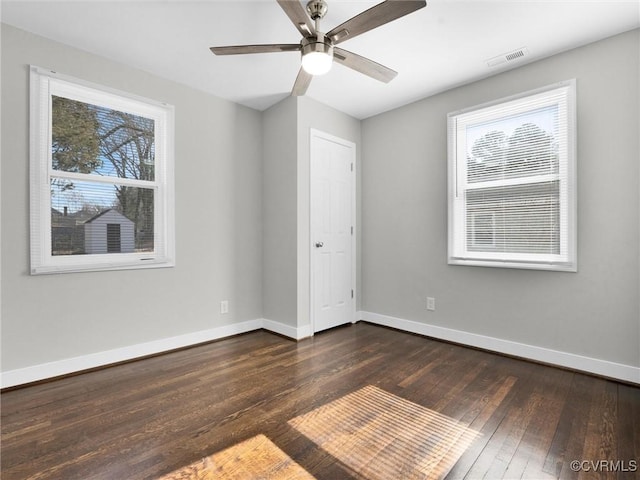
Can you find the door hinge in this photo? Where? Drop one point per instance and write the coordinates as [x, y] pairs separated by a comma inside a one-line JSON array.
[[352, 293], [352, 167], [352, 230]]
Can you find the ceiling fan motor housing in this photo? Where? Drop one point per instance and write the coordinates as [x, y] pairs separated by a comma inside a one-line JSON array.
[[317, 43]]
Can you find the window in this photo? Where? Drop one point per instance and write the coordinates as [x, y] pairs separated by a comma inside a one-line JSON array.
[[101, 178], [512, 182]]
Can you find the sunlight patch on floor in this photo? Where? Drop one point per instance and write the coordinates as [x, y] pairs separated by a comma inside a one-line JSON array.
[[255, 458], [378, 436]]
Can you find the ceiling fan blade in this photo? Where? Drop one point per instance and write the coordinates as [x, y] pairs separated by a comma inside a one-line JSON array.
[[243, 49], [297, 14], [363, 65], [302, 83], [376, 16]]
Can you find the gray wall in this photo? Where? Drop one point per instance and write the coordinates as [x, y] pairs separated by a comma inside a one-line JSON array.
[[279, 212], [594, 312], [242, 217], [286, 128], [218, 166]]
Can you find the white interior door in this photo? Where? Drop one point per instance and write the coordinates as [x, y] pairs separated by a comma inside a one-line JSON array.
[[332, 262]]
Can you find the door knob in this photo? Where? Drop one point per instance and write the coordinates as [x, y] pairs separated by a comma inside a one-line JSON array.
[[319, 244]]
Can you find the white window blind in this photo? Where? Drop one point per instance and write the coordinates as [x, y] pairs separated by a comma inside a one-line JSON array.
[[512, 185], [101, 178]]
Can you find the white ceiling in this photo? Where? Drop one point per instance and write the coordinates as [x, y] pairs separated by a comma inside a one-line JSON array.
[[436, 48]]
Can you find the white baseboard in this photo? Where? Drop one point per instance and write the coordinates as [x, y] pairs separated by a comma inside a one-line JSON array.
[[21, 376], [297, 333], [67, 366], [605, 368]]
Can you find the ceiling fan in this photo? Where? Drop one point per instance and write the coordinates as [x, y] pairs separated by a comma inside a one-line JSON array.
[[319, 49]]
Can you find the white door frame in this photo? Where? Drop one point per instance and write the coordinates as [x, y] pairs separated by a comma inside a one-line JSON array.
[[312, 263]]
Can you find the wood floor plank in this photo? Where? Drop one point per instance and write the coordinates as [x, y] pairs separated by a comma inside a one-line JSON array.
[[570, 435], [507, 432], [528, 461], [148, 418], [483, 418], [601, 436], [629, 428]]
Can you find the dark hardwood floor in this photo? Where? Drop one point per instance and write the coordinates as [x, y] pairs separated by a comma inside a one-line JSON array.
[[145, 419]]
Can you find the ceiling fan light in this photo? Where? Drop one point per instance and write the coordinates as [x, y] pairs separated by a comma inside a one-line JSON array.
[[317, 54], [317, 63]]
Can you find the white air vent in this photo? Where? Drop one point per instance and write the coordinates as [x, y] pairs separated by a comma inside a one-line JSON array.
[[508, 57]]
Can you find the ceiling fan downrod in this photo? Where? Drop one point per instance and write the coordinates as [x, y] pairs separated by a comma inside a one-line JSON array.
[[317, 50]]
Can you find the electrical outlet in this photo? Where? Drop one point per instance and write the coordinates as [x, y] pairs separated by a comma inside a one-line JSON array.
[[224, 306], [431, 303]]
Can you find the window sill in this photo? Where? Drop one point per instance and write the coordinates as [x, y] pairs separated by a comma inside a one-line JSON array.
[[547, 266], [101, 267]]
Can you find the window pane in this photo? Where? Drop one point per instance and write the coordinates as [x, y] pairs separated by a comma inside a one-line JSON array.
[[87, 138], [516, 219], [520, 145], [483, 229], [95, 218]]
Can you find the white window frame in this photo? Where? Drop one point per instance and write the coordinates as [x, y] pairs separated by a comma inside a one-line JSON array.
[[45, 83], [561, 94]]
